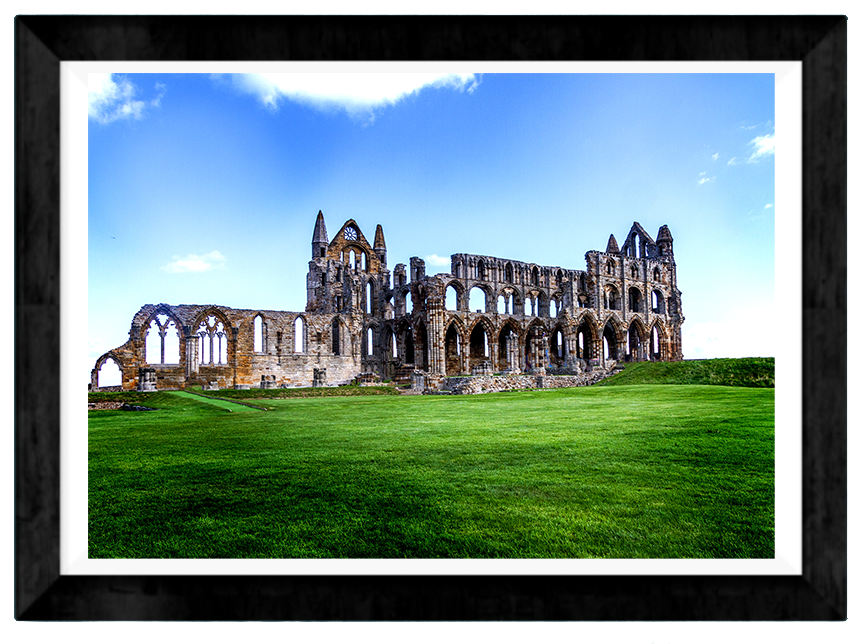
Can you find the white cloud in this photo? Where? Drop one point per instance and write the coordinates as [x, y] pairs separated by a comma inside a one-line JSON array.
[[195, 263], [701, 174], [436, 260], [715, 156], [357, 94], [732, 161], [111, 97], [762, 146], [704, 180], [769, 205]]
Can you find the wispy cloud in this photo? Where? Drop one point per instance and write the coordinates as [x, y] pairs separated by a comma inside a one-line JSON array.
[[701, 174], [715, 156], [732, 161], [195, 263], [704, 180], [357, 94], [768, 205], [436, 260], [111, 97], [762, 146]]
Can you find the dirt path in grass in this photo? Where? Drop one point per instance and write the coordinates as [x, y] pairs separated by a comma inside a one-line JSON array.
[[230, 406]]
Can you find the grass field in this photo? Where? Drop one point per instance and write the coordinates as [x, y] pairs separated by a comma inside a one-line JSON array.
[[639, 471]]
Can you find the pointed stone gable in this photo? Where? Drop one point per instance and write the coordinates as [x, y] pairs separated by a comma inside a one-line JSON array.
[[612, 246], [379, 238], [664, 234], [320, 235]]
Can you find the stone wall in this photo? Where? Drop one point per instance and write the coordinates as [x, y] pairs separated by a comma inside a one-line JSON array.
[[493, 384]]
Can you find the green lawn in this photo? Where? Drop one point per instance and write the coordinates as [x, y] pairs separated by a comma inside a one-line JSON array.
[[632, 471]]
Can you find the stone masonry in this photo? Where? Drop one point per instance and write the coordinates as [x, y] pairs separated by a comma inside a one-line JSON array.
[[361, 320]]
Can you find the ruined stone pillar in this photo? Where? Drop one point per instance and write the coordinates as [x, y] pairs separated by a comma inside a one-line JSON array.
[[191, 344], [436, 335]]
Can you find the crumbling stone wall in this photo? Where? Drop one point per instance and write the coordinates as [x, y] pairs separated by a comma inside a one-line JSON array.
[[536, 319]]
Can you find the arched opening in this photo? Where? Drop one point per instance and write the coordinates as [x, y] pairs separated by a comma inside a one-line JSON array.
[[655, 346], [213, 342], [557, 351], [583, 301], [657, 302], [453, 350], [612, 298], [633, 340], [422, 341], [335, 336], [392, 339], [507, 345], [409, 348], [535, 276], [368, 300], [478, 299], [656, 274], [352, 260], [481, 273], [502, 306], [369, 342], [535, 348], [529, 306], [363, 260], [258, 334], [163, 341], [109, 374], [609, 267], [635, 300], [451, 298], [583, 337], [510, 276], [609, 341], [552, 308], [300, 335], [479, 349]]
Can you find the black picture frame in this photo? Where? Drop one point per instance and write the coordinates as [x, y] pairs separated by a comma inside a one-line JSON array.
[[42, 42]]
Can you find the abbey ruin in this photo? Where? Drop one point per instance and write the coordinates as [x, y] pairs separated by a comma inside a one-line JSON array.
[[362, 323]]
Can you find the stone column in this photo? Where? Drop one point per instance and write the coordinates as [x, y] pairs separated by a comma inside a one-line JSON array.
[[192, 355]]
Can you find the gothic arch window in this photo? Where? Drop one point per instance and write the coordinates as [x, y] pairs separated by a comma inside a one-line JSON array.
[[609, 267], [300, 335], [368, 300], [479, 343], [213, 342], [258, 334], [656, 274], [480, 267], [478, 299], [552, 308], [509, 274], [535, 277], [635, 300], [658, 302], [109, 374], [369, 341], [633, 270], [163, 341], [612, 299], [335, 337], [452, 298]]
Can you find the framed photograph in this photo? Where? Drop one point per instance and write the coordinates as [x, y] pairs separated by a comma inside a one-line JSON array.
[[379, 591]]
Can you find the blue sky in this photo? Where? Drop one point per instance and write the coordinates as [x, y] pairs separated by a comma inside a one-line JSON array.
[[203, 189]]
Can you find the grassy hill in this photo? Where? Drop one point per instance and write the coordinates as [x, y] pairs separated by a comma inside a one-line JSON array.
[[734, 372], [617, 472]]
